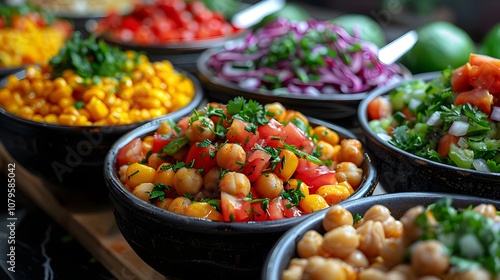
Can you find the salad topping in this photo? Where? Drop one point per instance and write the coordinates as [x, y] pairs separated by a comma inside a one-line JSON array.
[[304, 57], [453, 119]]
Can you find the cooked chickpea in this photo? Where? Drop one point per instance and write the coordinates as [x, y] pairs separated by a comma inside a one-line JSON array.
[[187, 181], [309, 244], [325, 149], [235, 183], [143, 191], [321, 268], [341, 241], [410, 228], [487, 210], [393, 251], [211, 179], [231, 156], [179, 205], [372, 274], [269, 185], [351, 150], [357, 260], [201, 129], [348, 171], [371, 238], [335, 217], [429, 257]]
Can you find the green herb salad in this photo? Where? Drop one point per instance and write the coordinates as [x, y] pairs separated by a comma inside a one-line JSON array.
[[452, 119]]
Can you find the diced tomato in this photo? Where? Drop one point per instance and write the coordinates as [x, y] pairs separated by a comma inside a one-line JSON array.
[[445, 143], [159, 141], [290, 211], [273, 128], [487, 77], [379, 108], [130, 153], [479, 59], [292, 135], [235, 209], [131, 23], [276, 209], [257, 162], [203, 157], [238, 133], [316, 177], [304, 165], [479, 97], [259, 214], [460, 79]]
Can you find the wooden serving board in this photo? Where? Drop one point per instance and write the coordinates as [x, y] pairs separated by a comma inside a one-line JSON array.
[[93, 225]]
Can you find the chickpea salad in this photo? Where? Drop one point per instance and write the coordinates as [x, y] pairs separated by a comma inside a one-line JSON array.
[[242, 162], [428, 242], [450, 119]]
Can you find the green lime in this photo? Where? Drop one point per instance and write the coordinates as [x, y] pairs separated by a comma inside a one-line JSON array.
[[490, 45], [290, 11], [440, 45], [369, 29]]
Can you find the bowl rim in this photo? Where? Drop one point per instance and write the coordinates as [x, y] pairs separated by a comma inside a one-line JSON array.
[[363, 122], [126, 199], [220, 84], [197, 99], [290, 238]]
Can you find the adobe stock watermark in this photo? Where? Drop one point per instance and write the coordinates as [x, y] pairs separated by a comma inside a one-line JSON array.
[[385, 16], [76, 154], [11, 217]]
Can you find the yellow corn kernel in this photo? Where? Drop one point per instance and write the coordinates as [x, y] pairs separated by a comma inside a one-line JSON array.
[[66, 102], [287, 165], [313, 203], [336, 150], [334, 193], [66, 119], [24, 86], [139, 173], [155, 112], [125, 82], [147, 143], [145, 115], [83, 112], [148, 102], [5, 95], [163, 66], [179, 205], [294, 183], [97, 109], [60, 82], [326, 149], [291, 115], [32, 72], [44, 110], [60, 92], [93, 91], [109, 99], [327, 135], [70, 110], [82, 121], [25, 112], [38, 118], [12, 82], [18, 99], [277, 109], [51, 118], [38, 87], [11, 107]]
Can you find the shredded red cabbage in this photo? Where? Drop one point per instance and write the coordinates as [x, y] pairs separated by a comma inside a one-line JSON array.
[[308, 57]]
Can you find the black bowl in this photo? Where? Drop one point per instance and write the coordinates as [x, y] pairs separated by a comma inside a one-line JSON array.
[[330, 106], [182, 54], [285, 249], [188, 248], [402, 171], [68, 156]]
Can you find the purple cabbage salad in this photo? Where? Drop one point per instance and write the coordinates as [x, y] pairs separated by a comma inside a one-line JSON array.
[[303, 57]]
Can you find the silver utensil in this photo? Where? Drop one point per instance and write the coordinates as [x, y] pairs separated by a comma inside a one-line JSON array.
[[252, 15], [391, 52]]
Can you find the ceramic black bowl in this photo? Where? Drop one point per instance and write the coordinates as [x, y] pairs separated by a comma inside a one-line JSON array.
[[330, 106], [190, 248], [285, 249], [69, 156], [402, 171]]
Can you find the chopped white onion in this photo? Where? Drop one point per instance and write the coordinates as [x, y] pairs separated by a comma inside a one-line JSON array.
[[384, 136], [462, 143], [414, 103], [435, 119], [480, 165], [495, 114], [459, 128]]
